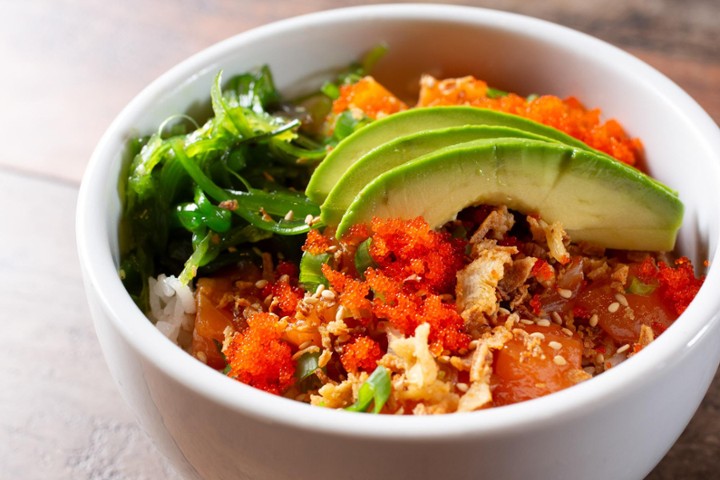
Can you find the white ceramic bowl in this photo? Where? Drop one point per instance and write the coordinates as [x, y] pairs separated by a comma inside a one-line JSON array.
[[618, 425]]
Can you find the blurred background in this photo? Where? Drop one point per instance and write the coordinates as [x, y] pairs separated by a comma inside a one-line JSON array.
[[67, 67]]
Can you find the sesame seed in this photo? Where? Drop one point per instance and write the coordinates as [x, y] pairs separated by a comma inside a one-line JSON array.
[[621, 299], [525, 321], [308, 219], [289, 215], [564, 292], [463, 387], [537, 335], [567, 332], [594, 320], [340, 313], [555, 345], [260, 284], [328, 295], [311, 300], [559, 360], [285, 278], [265, 215], [600, 358], [319, 289], [613, 307], [623, 349], [556, 318], [543, 322]]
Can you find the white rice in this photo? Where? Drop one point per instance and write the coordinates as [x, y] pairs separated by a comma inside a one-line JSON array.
[[172, 308]]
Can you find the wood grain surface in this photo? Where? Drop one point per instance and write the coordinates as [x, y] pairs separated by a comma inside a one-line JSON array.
[[67, 67]]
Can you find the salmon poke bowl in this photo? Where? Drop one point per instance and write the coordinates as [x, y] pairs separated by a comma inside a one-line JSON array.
[[407, 241]]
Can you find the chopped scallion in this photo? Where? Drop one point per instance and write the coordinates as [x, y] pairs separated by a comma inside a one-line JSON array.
[[311, 275], [376, 390]]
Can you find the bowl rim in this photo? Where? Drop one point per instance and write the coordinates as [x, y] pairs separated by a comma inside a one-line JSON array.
[[100, 274]]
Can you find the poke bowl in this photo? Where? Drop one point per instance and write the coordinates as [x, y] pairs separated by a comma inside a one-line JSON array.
[[617, 424]]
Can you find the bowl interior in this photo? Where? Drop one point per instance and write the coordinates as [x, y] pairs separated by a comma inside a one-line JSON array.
[[510, 52]]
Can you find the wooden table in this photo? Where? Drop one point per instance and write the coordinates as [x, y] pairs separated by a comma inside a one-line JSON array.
[[66, 69]]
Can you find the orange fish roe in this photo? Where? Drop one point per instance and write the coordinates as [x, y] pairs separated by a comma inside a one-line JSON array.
[[678, 285], [647, 271], [284, 292], [368, 96], [316, 243], [361, 354], [414, 266], [285, 297], [410, 251], [405, 311], [568, 115], [353, 293], [258, 357]]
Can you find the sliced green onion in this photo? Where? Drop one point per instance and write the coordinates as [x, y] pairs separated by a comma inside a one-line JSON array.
[[346, 124], [375, 390], [363, 259], [307, 364], [331, 90], [311, 276], [495, 93], [638, 287]]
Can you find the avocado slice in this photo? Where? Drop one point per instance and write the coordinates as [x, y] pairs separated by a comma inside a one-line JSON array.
[[597, 200], [350, 149], [402, 150]]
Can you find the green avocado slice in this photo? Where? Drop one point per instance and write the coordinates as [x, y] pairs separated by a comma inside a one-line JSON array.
[[597, 200], [402, 150], [411, 121]]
